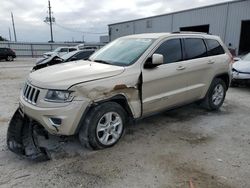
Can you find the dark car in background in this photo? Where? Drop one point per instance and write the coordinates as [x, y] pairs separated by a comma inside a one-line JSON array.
[[72, 56], [7, 54]]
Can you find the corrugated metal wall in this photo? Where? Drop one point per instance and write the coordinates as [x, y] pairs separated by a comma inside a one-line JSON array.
[[223, 19], [238, 12], [215, 17], [151, 25]]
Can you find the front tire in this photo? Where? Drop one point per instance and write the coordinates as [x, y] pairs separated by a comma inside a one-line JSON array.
[[216, 95], [103, 126]]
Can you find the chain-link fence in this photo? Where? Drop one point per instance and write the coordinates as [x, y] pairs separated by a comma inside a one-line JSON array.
[[25, 49]]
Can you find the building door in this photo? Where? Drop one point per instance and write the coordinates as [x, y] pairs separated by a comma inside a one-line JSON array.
[[198, 28], [245, 37]]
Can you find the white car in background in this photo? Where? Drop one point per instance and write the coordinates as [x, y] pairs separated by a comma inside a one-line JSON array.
[[84, 47], [241, 71], [60, 51]]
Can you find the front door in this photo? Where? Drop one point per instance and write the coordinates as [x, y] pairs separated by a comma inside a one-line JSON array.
[[165, 86]]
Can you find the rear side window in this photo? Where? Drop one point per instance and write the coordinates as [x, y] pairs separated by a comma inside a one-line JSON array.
[[72, 49], [195, 48], [171, 50], [214, 47]]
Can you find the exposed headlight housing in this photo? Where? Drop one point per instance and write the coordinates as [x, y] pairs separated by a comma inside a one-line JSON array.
[[59, 96]]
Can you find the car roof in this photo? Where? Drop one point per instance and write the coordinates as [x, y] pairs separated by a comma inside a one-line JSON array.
[[164, 35]]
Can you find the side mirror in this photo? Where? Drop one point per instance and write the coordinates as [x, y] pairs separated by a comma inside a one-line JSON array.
[[157, 59], [154, 61]]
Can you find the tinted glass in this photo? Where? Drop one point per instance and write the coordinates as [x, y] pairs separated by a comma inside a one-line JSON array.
[[84, 55], [72, 49], [64, 50], [171, 51], [214, 47], [195, 48]]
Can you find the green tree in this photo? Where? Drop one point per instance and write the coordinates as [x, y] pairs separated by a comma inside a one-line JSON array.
[[2, 39]]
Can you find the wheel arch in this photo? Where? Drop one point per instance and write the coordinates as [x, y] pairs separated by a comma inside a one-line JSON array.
[[119, 99], [225, 77]]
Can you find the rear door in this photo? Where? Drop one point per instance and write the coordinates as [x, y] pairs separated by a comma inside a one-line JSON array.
[[198, 67], [166, 85]]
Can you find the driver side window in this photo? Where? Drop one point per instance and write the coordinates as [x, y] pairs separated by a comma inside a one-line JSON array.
[[171, 51]]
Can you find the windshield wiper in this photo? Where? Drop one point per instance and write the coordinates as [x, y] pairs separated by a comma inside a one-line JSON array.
[[101, 61]]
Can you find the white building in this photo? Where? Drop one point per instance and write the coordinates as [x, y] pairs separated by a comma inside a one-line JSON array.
[[229, 20]]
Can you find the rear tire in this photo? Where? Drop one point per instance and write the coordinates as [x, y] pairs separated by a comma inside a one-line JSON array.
[[103, 126], [215, 95]]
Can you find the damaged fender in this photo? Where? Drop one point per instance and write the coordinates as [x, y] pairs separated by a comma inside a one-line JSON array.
[[22, 138]]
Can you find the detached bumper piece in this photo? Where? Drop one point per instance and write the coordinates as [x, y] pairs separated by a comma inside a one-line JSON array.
[[22, 138]]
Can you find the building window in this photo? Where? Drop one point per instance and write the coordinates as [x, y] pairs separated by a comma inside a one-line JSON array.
[[149, 24]]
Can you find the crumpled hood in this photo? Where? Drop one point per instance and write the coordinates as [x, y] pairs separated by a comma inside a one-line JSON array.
[[242, 66], [62, 76]]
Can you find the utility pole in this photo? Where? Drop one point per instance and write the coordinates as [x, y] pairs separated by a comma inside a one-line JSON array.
[[50, 19], [13, 23], [50, 23], [9, 34]]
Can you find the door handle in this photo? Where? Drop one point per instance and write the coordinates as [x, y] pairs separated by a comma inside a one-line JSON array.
[[211, 62], [181, 68]]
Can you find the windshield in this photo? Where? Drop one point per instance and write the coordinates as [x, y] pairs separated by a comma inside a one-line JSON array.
[[122, 52], [246, 57], [68, 55], [57, 50]]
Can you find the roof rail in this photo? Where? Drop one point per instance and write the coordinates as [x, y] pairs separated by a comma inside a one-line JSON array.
[[190, 32]]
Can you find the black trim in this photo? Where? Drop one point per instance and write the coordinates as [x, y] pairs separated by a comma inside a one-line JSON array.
[[82, 119]]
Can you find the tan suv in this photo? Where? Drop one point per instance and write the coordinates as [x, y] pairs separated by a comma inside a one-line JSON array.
[[131, 77]]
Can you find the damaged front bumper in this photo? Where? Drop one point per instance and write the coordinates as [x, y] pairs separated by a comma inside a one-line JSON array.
[[22, 137]]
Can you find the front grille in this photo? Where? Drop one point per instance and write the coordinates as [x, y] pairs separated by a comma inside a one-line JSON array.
[[30, 93]]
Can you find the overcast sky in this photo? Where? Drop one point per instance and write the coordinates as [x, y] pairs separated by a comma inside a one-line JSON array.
[[91, 16]]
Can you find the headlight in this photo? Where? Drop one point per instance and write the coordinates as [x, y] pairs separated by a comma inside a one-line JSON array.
[[59, 96]]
